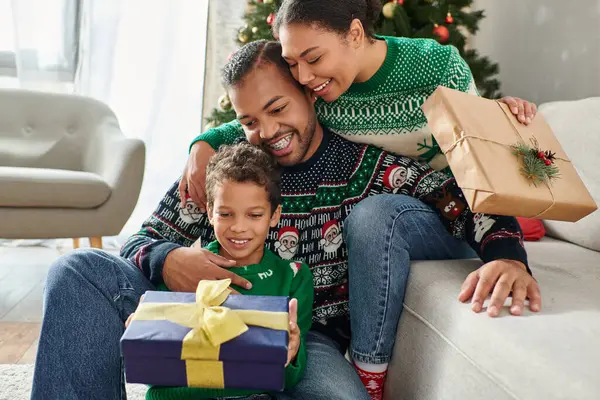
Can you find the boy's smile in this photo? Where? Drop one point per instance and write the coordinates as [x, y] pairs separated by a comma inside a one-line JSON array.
[[241, 215]]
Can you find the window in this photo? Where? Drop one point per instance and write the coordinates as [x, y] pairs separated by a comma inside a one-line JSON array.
[[40, 36]]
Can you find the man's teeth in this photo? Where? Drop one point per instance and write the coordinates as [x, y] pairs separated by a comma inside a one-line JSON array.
[[319, 88], [281, 144], [239, 241]]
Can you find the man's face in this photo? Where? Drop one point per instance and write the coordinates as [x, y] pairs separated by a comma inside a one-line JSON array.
[[277, 115]]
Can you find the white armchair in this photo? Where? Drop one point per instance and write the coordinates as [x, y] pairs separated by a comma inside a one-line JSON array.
[[66, 169]]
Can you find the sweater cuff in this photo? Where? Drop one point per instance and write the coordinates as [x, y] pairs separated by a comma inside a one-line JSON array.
[[156, 259], [211, 137], [507, 249]]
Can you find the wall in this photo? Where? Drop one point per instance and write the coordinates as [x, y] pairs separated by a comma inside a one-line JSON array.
[[225, 18], [546, 49]]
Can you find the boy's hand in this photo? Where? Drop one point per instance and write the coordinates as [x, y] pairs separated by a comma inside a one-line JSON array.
[[185, 267], [503, 276], [294, 343], [194, 174], [522, 109], [131, 315]]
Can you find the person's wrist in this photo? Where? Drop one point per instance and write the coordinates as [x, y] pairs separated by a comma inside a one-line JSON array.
[[517, 263], [171, 261]]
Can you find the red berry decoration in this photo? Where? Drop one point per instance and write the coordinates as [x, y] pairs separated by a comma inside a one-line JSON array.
[[547, 162], [541, 155], [449, 18], [441, 32], [401, 2], [271, 19]]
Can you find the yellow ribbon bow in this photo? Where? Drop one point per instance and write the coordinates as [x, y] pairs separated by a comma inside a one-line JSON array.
[[211, 323]]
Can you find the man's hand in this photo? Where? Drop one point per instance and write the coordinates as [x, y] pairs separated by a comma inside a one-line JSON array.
[[194, 175], [524, 110], [185, 267], [294, 343], [503, 276]]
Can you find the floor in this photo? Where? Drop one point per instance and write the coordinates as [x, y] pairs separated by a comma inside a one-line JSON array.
[[23, 273]]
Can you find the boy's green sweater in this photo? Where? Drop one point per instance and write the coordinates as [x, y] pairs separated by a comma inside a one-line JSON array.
[[385, 111], [271, 277]]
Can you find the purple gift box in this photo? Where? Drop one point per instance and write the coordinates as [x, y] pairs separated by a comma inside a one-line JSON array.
[[254, 360]]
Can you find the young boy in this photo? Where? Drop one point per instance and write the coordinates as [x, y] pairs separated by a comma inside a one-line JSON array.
[[243, 202]]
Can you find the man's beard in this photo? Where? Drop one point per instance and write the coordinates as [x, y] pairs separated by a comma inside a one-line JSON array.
[[304, 141]]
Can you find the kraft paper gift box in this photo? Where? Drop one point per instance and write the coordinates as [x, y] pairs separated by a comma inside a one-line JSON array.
[[160, 347], [478, 136]]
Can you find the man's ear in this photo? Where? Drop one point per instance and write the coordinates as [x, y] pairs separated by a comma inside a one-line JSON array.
[[275, 217]]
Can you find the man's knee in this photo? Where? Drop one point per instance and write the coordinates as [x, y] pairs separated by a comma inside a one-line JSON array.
[[74, 265]]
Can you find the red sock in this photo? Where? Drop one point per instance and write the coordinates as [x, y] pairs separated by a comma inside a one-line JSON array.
[[373, 381]]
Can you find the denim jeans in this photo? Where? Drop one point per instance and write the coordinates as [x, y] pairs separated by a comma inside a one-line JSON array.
[[88, 296], [383, 234]]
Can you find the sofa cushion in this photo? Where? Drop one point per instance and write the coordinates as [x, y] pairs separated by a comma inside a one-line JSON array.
[[444, 350], [56, 188], [576, 125]]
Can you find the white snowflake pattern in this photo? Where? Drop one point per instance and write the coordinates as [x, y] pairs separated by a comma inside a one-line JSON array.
[[322, 276], [327, 312], [429, 184]]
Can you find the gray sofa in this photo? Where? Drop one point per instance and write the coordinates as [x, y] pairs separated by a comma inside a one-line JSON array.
[[445, 351]]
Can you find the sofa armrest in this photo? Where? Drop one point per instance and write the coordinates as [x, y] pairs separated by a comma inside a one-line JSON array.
[[111, 153], [120, 161]]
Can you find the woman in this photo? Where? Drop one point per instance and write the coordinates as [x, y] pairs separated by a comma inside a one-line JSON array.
[[370, 89]]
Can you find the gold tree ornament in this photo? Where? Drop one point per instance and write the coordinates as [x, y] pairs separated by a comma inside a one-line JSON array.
[[389, 9], [225, 102]]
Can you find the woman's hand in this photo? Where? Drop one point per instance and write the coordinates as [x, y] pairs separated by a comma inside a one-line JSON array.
[[523, 110], [503, 276], [294, 343], [194, 175]]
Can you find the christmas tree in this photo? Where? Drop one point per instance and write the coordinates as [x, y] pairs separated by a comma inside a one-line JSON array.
[[447, 21]]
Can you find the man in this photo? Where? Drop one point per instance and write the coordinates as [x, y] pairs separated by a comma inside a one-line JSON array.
[[90, 294]]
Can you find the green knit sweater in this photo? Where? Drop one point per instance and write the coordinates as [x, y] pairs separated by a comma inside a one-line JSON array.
[[271, 277], [385, 111]]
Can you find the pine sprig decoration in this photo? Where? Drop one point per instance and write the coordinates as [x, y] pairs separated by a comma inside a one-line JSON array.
[[537, 166]]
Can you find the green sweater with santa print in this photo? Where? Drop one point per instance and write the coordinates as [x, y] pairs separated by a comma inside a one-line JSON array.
[[385, 111], [273, 276]]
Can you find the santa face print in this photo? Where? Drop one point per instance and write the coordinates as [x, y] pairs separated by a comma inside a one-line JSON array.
[[483, 223], [241, 216], [396, 176], [287, 245], [190, 213], [332, 239], [399, 177], [332, 234]]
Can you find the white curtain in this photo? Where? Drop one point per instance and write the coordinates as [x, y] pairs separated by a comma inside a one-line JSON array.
[[145, 59]]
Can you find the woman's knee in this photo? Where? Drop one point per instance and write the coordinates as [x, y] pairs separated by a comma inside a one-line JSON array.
[[372, 214]]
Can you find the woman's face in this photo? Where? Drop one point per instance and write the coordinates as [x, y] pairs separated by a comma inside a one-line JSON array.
[[324, 61]]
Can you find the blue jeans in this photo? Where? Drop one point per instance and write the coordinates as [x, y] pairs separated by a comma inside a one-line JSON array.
[[88, 296], [383, 234]]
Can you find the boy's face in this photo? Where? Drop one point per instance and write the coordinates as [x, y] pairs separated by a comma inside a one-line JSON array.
[[241, 216]]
